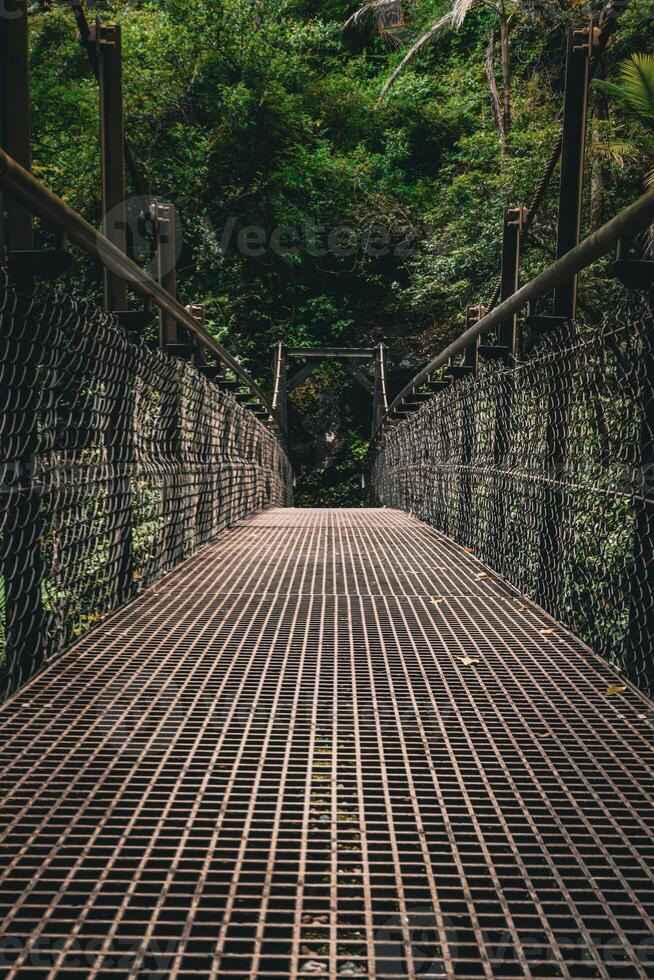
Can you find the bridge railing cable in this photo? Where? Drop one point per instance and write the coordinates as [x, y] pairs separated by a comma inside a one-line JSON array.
[[573, 531], [121, 452], [55, 213], [629, 222], [117, 462], [541, 460], [544, 466]]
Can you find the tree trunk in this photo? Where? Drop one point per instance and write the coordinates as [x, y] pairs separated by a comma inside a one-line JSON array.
[[506, 74], [498, 112]]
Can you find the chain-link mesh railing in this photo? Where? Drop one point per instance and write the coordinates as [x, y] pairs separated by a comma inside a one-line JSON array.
[[117, 462], [546, 471]]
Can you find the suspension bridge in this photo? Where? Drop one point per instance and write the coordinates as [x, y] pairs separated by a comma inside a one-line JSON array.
[[244, 739]]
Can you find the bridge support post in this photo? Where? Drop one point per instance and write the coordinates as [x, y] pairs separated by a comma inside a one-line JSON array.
[[379, 402], [280, 392], [120, 450], [580, 46], [514, 222], [197, 312], [581, 43], [165, 224], [471, 365], [15, 117], [108, 58], [22, 525], [107, 38], [164, 217], [515, 219], [201, 519]]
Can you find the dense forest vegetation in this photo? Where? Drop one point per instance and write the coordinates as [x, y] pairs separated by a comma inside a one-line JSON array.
[[313, 210]]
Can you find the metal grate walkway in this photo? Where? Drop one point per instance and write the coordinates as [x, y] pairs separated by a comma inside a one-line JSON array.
[[329, 744]]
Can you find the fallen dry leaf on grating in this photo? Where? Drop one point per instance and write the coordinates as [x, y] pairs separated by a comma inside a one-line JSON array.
[[482, 575], [615, 689], [522, 608], [547, 631], [469, 550], [466, 661], [437, 602]]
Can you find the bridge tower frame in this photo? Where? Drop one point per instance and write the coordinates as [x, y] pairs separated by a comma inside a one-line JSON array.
[[350, 358]]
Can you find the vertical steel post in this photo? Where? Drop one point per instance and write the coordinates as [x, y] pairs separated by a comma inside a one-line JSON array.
[[471, 362], [379, 409], [15, 114], [206, 485], [107, 38], [379, 402], [575, 111], [283, 392], [22, 525], [577, 75], [280, 393], [165, 223], [120, 451], [514, 222], [164, 220], [197, 311], [471, 354]]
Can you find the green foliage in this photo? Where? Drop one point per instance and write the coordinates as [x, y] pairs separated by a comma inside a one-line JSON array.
[[262, 115], [635, 92], [636, 88]]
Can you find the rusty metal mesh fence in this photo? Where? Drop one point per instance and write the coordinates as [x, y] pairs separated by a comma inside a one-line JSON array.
[[545, 470], [117, 462]]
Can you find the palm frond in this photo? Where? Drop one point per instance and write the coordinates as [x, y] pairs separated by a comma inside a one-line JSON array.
[[460, 10], [635, 87], [373, 9], [618, 151], [638, 79], [649, 180], [446, 21], [392, 38]]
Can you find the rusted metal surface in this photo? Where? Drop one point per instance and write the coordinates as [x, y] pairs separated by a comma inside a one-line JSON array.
[[327, 744]]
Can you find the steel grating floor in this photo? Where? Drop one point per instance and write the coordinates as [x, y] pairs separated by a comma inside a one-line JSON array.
[[329, 744]]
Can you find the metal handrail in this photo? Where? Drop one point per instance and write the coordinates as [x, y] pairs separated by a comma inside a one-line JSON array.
[[627, 223], [43, 203]]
